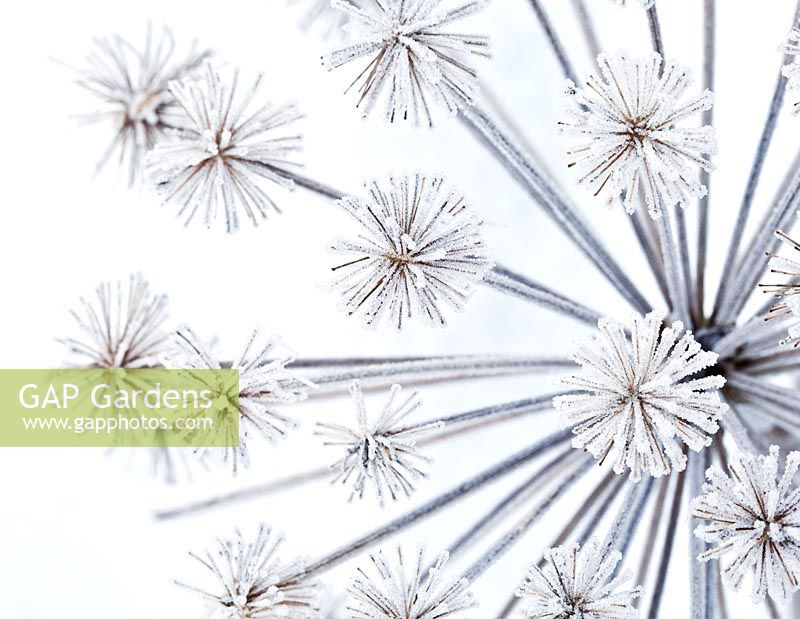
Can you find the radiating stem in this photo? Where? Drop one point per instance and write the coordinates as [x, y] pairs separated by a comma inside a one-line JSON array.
[[755, 261], [276, 485], [641, 228], [505, 543], [652, 535], [519, 286], [587, 26], [702, 600], [788, 398], [666, 551], [511, 500], [398, 524], [655, 32], [709, 60], [752, 182], [683, 261], [308, 183], [334, 376], [507, 410], [555, 42], [545, 193], [675, 284]]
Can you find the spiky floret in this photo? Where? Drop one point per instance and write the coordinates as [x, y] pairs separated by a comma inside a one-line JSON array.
[[577, 583], [419, 249], [131, 86], [253, 583], [227, 147], [788, 293], [414, 56], [753, 515], [640, 399], [264, 383], [627, 141], [397, 590], [381, 452], [121, 328]]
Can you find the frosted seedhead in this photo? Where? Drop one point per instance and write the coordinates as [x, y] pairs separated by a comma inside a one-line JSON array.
[[413, 56], [381, 450], [216, 166], [639, 400], [627, 140], [751, 515], [419, 249]]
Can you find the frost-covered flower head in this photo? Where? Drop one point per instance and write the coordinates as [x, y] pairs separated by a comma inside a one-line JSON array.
[[264, 383], [131, 86], [578, 584], [753, 515], [253, 583], [413, 55], [788, 293], [397, 590], [122, 327], [627, 141], [640, 399], [419, 248], [380, 452], [792, 70], [216, 164]]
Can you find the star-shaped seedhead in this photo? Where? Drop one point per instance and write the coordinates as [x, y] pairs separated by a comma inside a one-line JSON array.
[[252, 582], [122, 327], [419, 249], [131, 86], [640, 400], [787, 293], [397, 590], [575, 583], [229, 145], [380, 452], [628, 144], [752, 515], [264, 384], [413, 56]]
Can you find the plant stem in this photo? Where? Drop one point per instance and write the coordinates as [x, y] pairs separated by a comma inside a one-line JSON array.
[[589, 32], [675, 284], [702, 599], [788, 398], [543, 191], [309, 183], [331, 376], [555, 42], [519, 286], [752, 183], [505, 543], [655, 32], [641, 228], [709, 60], [666, 551], [398, 524]]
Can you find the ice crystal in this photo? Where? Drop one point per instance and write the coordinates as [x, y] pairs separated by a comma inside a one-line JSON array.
[[380, 452], [253, 583], [264, 383], [627, 141], [399, 592], [413, 55], [753, 514], [419, 249], [792, 70], [788, 294], [640, 399], [217, 162], [122, 327], [577, 584], [131, 85]]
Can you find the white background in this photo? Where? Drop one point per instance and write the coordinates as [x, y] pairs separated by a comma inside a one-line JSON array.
[[77, 537]]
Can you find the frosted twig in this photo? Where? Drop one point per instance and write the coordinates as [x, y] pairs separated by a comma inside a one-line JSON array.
[[542, 190], [555, 42], [474, 483], [752, 182], [589, 32], [673, 271], [655, 30], [516, 285]]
